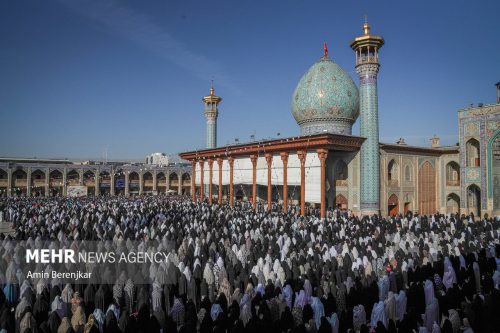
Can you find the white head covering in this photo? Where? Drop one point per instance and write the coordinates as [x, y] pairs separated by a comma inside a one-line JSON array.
[[429, 293], [378, 314], [390, 306], [358, 317], [401, 305], [431, 314], [334, 322], [319, 310], [449, 277], [300, 300]]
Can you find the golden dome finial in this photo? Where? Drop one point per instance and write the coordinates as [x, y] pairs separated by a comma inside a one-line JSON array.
[[366, 26], [211, 97]]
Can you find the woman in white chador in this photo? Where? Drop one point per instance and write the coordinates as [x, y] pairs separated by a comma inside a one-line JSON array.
[[378, 314], [428, 291], [431, 314], [358, 317], [400, 305], [232, 269], [449, 277], [390, 306]]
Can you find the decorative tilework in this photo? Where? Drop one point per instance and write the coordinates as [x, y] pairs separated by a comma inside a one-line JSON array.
[[473, 174], [326, 99], [370, 160], [211, 130], [491, 127], [340, 127], [463, 192], [472, 128], [481, 123], [492, 172], [483, 144]]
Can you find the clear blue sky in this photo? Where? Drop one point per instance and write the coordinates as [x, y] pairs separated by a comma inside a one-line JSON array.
[[79, 77]]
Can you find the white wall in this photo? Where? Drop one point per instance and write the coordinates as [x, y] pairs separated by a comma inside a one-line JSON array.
[[243, 173]]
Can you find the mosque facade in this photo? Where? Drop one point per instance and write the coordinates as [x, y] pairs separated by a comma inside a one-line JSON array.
[[479, 137], [327, 166]]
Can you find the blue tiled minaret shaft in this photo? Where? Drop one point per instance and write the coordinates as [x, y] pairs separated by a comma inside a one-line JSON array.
[[211, 113], [367, 66]]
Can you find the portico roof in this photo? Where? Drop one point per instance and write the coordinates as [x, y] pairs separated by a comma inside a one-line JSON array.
[[290, 144]]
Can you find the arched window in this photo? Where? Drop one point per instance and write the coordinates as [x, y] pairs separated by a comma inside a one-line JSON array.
[[392, 173], [407, 173], [88, 178], [173, 177], [19, 182], [472, 153], [133, 182], [73, 177], [3, 182], [147, 182], [55, 178], [55, 183], [452, 174], [474, 199], [186, 177], [452, 203], [393, 205], [340, 201]]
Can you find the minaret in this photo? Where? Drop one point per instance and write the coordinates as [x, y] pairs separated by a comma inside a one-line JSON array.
[[366, 47], [211, 113]]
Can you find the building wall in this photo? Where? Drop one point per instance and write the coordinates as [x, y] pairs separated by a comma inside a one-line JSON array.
[[348, 188], [49, 179], [408, 186], [482, 124], [157, 159], [243, 176], [404, 189], [404, 184], [448, 188]]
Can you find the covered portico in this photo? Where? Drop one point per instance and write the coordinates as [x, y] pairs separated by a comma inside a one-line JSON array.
[[300, 162]]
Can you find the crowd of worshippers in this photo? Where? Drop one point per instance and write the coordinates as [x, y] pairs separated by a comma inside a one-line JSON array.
[[237, 270]]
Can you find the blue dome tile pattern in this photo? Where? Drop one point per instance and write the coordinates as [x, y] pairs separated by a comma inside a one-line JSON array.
[[326, 99]]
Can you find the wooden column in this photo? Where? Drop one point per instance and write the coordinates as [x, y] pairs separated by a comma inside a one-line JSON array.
[[193, 180], [302, 157], [322, 154], [210, 167], [254, 158], [219, 161], [202, 186], [269, 160], [231, 164], [284, 158]]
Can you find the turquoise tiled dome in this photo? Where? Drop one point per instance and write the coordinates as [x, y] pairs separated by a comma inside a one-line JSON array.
[[325, 100]]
